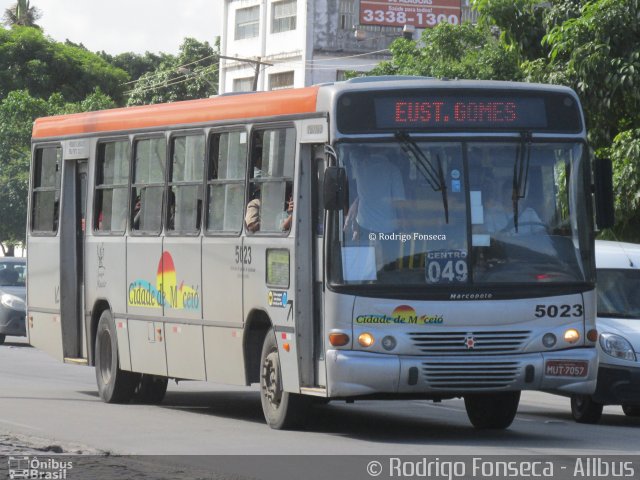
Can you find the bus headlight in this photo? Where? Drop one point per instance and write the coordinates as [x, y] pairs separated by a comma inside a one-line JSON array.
[[617, 346], [572, 335], [13, 302], [366, 340]]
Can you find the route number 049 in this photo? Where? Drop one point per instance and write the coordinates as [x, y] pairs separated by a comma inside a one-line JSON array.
[[447, 271]]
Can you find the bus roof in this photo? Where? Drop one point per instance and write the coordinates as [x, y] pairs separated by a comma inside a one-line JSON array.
[[232, 107]]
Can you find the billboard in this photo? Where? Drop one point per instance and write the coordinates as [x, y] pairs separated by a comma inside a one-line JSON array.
[[419, 13]]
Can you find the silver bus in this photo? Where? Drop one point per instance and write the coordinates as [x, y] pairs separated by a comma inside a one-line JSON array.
[[370, 239]]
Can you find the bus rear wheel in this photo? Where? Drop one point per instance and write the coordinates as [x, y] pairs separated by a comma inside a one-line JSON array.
[[584, 409], [150, 389], [492, 411], [114, 385], [2, 338], [282, 410]]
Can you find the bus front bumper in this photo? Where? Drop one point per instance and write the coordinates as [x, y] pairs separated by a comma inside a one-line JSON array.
[[353, 373]]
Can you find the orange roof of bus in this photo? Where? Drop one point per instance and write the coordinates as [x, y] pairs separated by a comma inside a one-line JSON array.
[[232, 107]]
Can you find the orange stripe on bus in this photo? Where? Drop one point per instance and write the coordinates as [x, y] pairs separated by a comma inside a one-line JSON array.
[[233, 107]]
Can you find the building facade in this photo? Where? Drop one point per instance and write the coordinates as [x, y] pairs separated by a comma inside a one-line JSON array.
[[300, 42]]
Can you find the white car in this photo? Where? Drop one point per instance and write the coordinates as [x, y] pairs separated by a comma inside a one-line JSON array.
[[618, 323]]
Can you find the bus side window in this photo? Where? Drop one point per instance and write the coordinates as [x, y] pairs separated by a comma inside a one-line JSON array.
[[110, 213], [46, 190], [148, 185], [271, 181], [225, 182], [184, 200]]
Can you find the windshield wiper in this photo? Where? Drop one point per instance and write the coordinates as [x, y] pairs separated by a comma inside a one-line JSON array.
[[520, 175], [616, 315], [433, 176]]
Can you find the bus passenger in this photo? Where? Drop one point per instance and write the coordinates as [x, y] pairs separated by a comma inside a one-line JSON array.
[[499, 212], [379, 184], [252, 217]]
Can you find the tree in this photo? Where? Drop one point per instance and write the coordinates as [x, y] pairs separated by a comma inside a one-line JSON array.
[[22, 14], [192, 74], [31, 61], [17, 113], [452, 51]]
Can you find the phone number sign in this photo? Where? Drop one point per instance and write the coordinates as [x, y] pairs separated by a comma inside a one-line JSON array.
[[419, 13]]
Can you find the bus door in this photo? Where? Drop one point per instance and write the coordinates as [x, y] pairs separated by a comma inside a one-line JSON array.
[[222, 256], [146, 262], [309, 258], [268, 250], [73, 209]]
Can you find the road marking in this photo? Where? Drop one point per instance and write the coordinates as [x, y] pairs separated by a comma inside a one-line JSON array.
[[22, 425]]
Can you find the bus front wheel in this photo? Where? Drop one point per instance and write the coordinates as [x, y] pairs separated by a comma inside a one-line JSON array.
[[631, 410], [584, 409], [114, 385], [492, 411], [282, 410]]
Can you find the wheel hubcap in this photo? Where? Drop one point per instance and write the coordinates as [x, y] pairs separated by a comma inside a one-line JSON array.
[[272, 389]]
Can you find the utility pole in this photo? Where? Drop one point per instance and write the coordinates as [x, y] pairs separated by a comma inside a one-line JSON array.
[[257, 64]]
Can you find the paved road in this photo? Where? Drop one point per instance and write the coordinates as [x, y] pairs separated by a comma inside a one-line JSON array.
[[44, 399]]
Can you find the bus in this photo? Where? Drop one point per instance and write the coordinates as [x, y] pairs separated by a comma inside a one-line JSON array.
[[379, 238]]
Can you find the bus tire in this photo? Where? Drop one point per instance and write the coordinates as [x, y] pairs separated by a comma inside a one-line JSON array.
[[282, 410], [492, 411], [2, 338], [151, 389], [631, 410], [584, 409], [114, 385]]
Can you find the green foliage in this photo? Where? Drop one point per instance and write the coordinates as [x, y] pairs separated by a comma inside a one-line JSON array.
[[600, 53], [192, 74], [134, 64], [520, 23], [31, 61], [23, 14], [452, 51], [625, 155]]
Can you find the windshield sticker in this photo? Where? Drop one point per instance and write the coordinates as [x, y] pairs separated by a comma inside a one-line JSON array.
[[403, 314], [166, 292]]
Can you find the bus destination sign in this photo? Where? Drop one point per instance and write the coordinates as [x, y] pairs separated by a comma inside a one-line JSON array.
[[451, 112], [419, 13]]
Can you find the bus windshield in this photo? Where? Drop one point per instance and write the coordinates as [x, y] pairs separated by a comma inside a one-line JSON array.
[[461, 213], [618, 293]]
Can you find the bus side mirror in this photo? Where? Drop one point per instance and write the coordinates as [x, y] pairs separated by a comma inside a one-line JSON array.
[[335, 188], [605, 213]]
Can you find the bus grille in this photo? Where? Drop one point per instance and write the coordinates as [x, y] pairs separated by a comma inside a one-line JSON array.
[[471, 343], [470, 376]]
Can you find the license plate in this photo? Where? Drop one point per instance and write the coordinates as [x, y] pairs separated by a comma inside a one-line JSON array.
[[566, 368]]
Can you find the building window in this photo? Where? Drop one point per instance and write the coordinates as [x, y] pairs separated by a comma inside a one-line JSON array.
[[283, 16], [243, 84], [278, 81], [247, 22], [347, 14]]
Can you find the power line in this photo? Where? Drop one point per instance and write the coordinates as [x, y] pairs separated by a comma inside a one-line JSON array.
[[145, 76], [175, 80]]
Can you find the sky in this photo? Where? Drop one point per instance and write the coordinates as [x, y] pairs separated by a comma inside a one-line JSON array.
[[117, 26]]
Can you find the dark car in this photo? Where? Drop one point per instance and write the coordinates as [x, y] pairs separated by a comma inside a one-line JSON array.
[[13, 276]]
